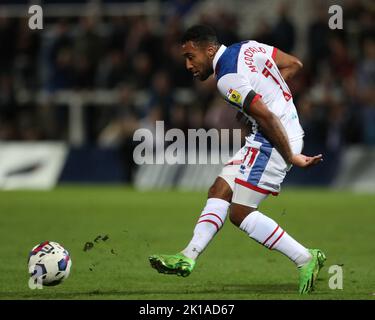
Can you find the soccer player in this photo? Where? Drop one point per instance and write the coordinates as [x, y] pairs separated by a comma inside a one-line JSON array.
[[251, 77]]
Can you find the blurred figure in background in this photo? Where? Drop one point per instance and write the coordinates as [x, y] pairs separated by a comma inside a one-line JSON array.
[[366, 93], [284, 31], [142, 53], [317, 41]]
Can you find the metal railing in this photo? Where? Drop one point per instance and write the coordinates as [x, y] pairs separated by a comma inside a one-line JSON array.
[[76, 101]]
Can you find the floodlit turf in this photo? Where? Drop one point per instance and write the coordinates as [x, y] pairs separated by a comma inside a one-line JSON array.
[[142, 223]]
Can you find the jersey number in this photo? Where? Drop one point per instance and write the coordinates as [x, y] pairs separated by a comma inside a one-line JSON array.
[[280, 82]]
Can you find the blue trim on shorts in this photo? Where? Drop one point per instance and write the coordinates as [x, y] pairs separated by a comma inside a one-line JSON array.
[[261, 162]]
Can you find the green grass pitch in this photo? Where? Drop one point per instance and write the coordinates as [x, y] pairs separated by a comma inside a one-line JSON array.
[[142, 223]]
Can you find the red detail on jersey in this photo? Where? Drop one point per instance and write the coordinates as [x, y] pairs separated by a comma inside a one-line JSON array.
[[267, 73], [255, 188], [274, 51], [282, 233], [274, 231], [269, 64], [255, 99], [212, 222], [212, 214]]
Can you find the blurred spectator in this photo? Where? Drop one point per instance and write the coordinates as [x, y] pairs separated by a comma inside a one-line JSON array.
[[366, 93], [118, 29], [60, 73], [353, 10], [173, 61], [179, 8], [283, 32], [142, 40], [140, 57], [161, 96], [8, 113], [318, 34], [366, 74], [263, 32], [123, 121], [225, 24], [26, 59], [113, 70], [8, 43], [226, 27], [339, 58], [142, 70], [88, 49]]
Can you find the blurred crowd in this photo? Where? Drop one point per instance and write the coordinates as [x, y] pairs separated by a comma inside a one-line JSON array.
[[335, 92]]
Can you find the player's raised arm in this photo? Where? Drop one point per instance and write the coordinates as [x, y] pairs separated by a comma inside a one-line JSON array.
[[275, 132], [288, 65]]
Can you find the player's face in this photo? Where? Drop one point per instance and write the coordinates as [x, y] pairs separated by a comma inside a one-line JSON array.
[[198, 60]]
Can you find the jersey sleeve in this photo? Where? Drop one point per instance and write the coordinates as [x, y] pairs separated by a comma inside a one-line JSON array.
[[236, 90]]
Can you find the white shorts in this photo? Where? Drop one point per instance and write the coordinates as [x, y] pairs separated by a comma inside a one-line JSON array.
[[257, 170]]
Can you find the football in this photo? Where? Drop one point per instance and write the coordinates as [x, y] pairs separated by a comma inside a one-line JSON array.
[[49, 263]]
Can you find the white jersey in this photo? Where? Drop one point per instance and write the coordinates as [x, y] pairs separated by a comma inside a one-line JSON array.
[[249, 67]]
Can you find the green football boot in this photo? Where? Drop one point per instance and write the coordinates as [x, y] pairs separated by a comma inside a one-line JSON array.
[[172, 264], [308, 273]]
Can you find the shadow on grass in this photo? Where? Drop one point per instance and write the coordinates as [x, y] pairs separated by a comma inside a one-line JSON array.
[[225, 290]]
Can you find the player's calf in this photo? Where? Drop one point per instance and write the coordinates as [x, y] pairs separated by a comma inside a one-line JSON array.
[[245, 215], [211, 219], [209, 223], [269, 234], [238, 213]]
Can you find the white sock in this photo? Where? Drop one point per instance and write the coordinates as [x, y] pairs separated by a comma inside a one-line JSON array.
[[209, 223], [267, 232]]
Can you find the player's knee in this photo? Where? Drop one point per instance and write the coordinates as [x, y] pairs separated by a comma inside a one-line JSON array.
[[220, 189], [238, 213]]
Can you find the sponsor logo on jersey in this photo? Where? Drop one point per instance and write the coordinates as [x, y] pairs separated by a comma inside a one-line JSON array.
[[234, 97]]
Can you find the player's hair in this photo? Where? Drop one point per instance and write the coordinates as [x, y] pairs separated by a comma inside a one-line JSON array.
[[201, 35]]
